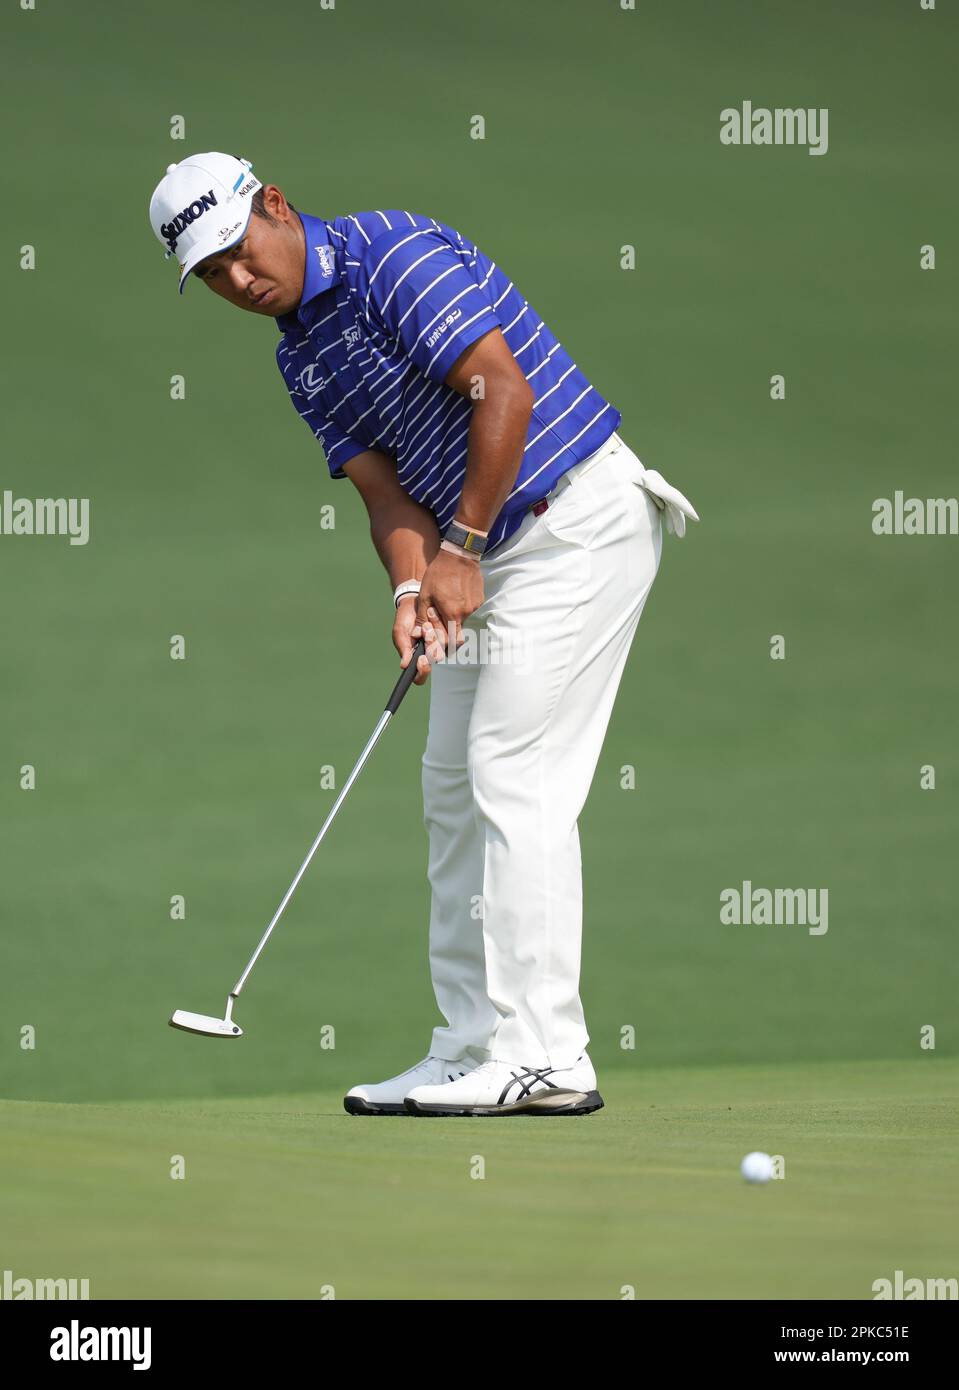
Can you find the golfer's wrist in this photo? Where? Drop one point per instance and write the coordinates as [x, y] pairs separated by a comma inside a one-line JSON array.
[[461, 537], [409, 588], [453, 549]]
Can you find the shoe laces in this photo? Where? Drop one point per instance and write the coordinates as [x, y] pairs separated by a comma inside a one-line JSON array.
[[425, 1065]]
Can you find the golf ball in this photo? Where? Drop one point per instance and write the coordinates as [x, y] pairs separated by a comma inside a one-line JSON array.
[[757, 1167]]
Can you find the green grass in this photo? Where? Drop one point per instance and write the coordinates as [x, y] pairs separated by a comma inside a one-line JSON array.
[[285, 1195], [203, 777]]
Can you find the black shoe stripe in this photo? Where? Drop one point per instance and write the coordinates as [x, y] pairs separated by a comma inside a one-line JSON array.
[[525, 1085]]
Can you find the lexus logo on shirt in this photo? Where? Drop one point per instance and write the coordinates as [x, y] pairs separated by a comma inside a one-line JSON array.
[[313, 380]]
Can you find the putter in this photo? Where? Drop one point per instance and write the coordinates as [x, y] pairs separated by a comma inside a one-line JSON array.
[[206, 1025]]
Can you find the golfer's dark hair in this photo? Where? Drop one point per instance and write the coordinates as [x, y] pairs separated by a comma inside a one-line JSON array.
[[259, 208]]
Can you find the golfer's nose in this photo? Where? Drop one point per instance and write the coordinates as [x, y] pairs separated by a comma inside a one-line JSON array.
[[240, 278]]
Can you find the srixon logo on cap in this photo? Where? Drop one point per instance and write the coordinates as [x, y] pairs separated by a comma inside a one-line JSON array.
[[171, 230]]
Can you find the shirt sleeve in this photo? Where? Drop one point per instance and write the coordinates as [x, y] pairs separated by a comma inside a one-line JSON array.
[[337, 445], [421, 290]]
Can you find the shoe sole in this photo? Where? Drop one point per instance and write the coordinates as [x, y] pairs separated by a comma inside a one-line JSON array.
[[543, 1103], [356, 1105]]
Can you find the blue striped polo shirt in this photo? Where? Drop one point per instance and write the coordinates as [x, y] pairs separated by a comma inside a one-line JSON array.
[[390, 301]]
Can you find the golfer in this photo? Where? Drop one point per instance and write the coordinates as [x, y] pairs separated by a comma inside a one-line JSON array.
[[521, 536]]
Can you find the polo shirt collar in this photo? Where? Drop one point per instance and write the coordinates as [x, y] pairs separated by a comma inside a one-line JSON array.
[[321, 271]]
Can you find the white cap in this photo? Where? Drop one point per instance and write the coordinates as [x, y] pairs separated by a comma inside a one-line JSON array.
[[201, 206]]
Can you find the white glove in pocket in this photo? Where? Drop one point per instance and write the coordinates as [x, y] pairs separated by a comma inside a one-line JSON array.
[[668, 499]]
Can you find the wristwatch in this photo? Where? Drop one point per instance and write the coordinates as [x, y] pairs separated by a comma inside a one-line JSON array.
[[472, 541]]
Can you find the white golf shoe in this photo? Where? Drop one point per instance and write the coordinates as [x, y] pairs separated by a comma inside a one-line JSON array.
[[506, 1088], [387, 1097]]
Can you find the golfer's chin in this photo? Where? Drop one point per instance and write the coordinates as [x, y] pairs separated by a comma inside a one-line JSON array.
[[272, 303], [275, 309]]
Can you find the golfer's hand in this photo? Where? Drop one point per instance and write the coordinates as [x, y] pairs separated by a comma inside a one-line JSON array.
[[404, 637], [450, 591]]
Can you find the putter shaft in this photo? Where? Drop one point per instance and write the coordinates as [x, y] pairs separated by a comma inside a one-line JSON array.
[[399, 690]]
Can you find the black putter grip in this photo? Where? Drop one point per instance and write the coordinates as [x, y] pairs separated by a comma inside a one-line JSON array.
[[406, 679]]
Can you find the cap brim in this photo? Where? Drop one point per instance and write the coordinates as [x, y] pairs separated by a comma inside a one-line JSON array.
[[200, 252]]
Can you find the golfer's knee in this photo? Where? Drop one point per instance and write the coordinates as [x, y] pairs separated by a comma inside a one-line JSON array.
[[446, 789]]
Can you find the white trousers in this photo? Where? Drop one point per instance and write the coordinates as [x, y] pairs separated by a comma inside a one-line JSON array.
[[516, 725]]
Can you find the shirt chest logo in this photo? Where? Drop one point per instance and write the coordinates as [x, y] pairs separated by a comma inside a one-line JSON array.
[[311, 379], [351, 336]]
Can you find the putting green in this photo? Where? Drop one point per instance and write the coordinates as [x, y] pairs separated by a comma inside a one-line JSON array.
[[286, 1196], [174, 799]]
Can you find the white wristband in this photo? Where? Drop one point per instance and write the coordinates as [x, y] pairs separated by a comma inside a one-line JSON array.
[[409, 586]]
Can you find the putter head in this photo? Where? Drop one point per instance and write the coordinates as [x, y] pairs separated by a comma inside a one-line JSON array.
[[206, 1026]]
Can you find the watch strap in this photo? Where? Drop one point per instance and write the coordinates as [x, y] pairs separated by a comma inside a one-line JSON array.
[[465, 537]]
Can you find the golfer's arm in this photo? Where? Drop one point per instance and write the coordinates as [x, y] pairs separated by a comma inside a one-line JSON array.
[[499, 426], [404, 533]]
